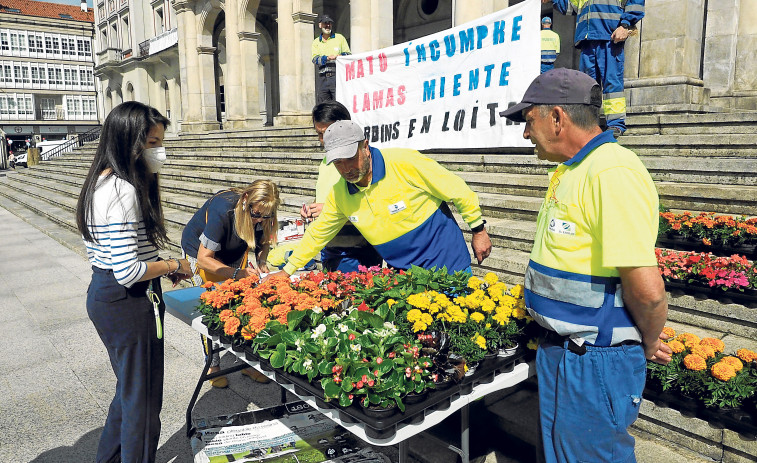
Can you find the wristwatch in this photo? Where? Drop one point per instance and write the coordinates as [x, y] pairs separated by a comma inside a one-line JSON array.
[[479, 228]]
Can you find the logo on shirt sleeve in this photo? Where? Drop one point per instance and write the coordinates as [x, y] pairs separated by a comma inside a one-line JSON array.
[[562, 227]]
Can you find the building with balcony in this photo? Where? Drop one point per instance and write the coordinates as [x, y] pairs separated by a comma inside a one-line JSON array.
[[137, 56], [47, 87]]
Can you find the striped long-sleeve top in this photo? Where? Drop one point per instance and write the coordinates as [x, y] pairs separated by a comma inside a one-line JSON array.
[[118, 230]]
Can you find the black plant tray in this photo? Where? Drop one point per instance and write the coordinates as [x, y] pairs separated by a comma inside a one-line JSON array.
[[385, 428], [741, 420], [747, 298], [681, 243]]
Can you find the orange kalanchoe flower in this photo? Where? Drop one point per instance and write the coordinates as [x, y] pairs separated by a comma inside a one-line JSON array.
[[694, 362], [716, 344], [670, 332], [723, 371], [746, 355], [704, 351], [676, 346], [734, 362], [688, 339]]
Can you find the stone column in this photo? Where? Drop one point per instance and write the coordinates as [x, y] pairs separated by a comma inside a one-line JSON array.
[[233, 85], [371, 25], [296, 70], [188, 66], [250, 91], [465, 10], [745, 80], [670, 59], [270, 90], [207, 89]]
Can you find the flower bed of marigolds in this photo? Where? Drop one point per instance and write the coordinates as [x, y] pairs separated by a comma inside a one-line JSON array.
[[708, 232], [375, 340], [704, 381]]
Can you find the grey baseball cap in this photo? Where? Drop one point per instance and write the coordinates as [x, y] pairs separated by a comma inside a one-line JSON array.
[[341, 140], [557, 87], [325, 19]]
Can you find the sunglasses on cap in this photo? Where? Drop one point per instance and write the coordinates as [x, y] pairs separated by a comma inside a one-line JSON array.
[[258, 215]]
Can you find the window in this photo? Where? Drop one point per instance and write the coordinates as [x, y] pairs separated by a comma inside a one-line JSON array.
[[126, 33], [48, 108], [11, 10], [67, 76], [17, 73], [48, 44], [32, 43], [56, 46], [51, 75], [4, 43], [14, 41], [22, 42], [42, 74], [12, 109], [80, 47], [65, 16], [87, 48], [58, 76], [77, 107], [35, 75], [25, 74], [159, 22], [90, 77], [64, 47], [8, 75], [72, 47], [40, 46], [3, 107]]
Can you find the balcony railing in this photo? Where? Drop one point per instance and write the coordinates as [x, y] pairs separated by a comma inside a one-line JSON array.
[[110, 55], [159, 43]]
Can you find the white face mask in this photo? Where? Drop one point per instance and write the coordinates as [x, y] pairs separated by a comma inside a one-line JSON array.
[[154, 158]]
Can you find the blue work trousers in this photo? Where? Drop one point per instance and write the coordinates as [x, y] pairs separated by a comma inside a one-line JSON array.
[[604, 61], [125, 320], [587, 402], [347, 259], [547, 66]]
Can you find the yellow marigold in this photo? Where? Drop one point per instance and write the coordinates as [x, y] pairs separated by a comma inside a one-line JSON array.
[[502, 317], [694, 362], [516, 291], [746, 355], [491, 279], [519, 313], [704, 351], [456, 314], [533, 343], [734, 362], [716, 344], [434, 308], [477, 317], [474, 283], [508, 301], [426, 318], [723, 371], [688, 339], [676, 346], [413, 315], [488, 305], [420, 300], [391, 302], [480, 340], [670, 332], [419, 326]]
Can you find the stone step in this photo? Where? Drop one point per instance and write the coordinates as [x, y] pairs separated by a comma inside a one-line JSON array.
[[744, 123]]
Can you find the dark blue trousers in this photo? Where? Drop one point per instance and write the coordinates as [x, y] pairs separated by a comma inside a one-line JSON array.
[[125, 320], [348, 259]]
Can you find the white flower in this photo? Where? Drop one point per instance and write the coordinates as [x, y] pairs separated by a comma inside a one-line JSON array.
[[356, 347], [308, 364], [367, 332], [299, 343], [319, 330], [343, 328], [334, 316], [317, 309]]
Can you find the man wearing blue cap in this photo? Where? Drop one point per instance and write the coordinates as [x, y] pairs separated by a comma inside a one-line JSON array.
[[602, 28], [592, 281], [325, 49], [550, 45]]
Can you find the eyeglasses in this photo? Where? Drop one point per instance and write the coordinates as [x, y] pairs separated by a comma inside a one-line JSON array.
[[258, 215]]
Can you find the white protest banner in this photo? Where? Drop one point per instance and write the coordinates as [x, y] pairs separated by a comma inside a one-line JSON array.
[[446, 90]]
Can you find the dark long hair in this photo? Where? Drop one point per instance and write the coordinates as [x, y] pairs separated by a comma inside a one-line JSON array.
[[122, 141]]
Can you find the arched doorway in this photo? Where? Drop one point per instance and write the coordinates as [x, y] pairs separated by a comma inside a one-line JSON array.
[[129, 92]]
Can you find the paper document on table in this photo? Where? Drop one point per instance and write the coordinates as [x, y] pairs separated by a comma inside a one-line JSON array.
[[289, 433]]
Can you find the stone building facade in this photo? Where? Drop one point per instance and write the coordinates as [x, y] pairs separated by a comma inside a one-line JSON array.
[[246, 63], [47, 86]]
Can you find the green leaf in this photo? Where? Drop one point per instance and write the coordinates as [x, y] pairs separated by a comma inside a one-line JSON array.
[[325, 367], [347, 386], [344, 400], [400, 405], [295, 317], [331, 389], [289, 337], [386, 366], [279, 356]]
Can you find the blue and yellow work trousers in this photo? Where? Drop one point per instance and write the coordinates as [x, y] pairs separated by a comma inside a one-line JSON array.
[[604, 61]]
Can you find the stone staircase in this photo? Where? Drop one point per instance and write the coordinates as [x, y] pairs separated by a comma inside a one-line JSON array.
[[699, 162]]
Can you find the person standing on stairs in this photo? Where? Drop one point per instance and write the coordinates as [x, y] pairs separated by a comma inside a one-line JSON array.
[[326, 48], [121, 221], [592, 280], [348, 249], [217, 241]]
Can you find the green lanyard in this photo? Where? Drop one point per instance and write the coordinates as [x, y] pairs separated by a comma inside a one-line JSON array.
[[153, 297]]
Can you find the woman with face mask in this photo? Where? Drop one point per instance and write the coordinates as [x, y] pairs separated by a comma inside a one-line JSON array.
[[219, 238], [121, 221]]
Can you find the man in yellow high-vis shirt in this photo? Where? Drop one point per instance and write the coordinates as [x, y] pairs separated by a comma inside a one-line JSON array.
[[550, 45], [326, 48], [592, 280], [396, 198]]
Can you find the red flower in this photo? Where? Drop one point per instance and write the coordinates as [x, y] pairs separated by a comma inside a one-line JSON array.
[[363, 307], [379, 360], [351, 337]]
